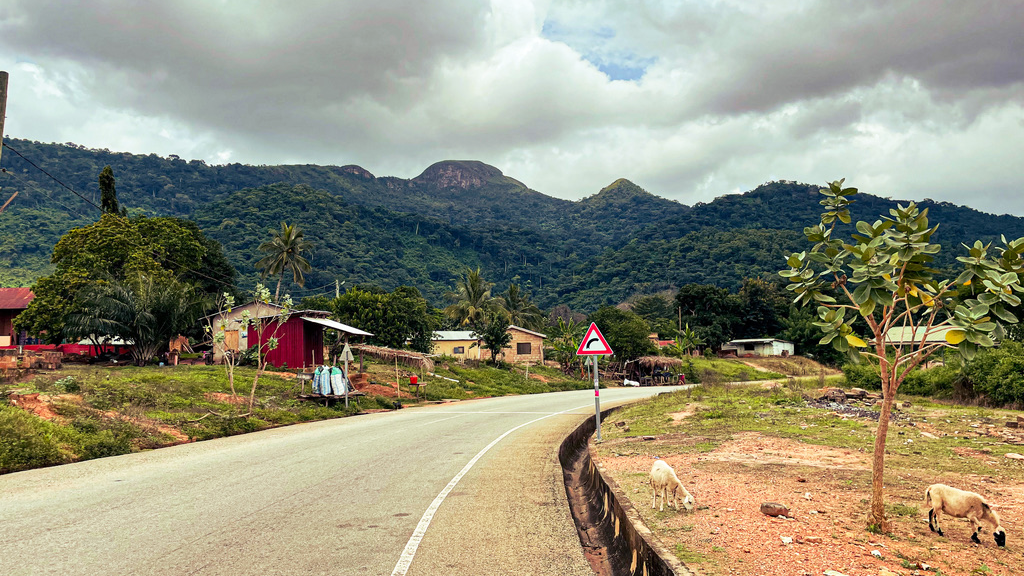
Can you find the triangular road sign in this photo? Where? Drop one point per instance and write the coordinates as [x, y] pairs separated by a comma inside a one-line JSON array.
[[346, 354], [594, 344]]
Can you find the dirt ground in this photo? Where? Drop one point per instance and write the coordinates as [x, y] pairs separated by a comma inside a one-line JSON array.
[[827, 491]]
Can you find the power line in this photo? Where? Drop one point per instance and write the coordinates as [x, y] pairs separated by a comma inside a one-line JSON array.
[[69, 188], [49, 194]]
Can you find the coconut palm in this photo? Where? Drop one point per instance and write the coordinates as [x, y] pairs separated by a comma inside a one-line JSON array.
[[521, 312], [471, 302], [284, 253]]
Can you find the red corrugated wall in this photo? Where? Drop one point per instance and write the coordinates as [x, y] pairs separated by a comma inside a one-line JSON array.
[[299, 343]]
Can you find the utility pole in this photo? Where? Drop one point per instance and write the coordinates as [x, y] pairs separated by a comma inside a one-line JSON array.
[[3, 114]]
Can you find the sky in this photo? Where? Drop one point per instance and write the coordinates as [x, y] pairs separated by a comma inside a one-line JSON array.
[[688, 99]]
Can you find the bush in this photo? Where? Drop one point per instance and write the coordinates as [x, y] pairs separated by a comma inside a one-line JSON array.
[[862, 375], [999, 374], [26, 441], [67, 384]]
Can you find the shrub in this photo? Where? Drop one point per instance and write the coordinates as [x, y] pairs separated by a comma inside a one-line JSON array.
[[67, 384], [862, 375], [26, 441]]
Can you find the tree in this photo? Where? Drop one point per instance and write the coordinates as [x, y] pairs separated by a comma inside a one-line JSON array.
[[394, 319], [762, 305], [147, 310], [284, 254], [260, 321], [521, 312], [471, 302], [494, 335], [565, 341], [113, 248], [886, 283], [627, 333], [108, 195], [686, 341], [712, 311]]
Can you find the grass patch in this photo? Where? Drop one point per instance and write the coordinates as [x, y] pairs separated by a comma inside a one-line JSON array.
[[687, 556]]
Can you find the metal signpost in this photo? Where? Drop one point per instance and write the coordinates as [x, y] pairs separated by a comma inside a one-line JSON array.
[[346, 355], [594, 344]]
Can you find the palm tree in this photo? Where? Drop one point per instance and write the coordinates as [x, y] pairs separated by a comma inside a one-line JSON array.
[[146, 310], [471, 300], [284, 252], [521, 311]]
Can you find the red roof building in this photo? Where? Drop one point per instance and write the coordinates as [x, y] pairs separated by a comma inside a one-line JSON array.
[[12, 302]]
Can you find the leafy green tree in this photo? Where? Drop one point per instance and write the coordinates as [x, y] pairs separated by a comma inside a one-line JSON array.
[[394, 319], [887, 283], [471, 302], [494, 335], [712, 312], [147, 310], [284, 254], [521, 311], [658, 310], [113, 248], [799, 328], [626, 332], [565, 339], [762, 304]]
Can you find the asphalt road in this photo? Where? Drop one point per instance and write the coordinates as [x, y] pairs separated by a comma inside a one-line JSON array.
[[462, 488]]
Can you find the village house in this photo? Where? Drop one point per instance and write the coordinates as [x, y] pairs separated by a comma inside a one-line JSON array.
[[758, 347], [12, 302], [459, 344], [229, 322], [526, 346]]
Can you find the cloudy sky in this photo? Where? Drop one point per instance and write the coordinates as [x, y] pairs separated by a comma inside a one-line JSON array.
[[689, 99]]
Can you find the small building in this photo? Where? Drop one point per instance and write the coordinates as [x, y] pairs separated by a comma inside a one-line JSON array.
[[758, 347], [657, 341], [459, 344], [526, 346], [12, 302], [300, 338], [229, 322]]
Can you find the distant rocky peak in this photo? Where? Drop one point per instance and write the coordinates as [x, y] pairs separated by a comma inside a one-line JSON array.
[[623, 187], [357, 171], [464, 174]]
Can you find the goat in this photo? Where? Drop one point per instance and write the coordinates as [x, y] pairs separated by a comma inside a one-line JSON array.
[[962, 504], [663, 478]]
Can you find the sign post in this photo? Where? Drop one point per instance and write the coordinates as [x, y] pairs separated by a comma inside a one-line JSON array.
[[346, 355], [594, 344]]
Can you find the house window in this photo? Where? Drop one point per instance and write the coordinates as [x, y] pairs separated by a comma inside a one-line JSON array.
[[522, 348], [749, 347], [459, 350]]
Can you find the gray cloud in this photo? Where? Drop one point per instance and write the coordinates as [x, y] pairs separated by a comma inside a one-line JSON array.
[[895, 95]]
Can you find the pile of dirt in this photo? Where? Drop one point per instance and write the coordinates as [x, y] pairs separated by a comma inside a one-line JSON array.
[[34, 403], [387, 391]]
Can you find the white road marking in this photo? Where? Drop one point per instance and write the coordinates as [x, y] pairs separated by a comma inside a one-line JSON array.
[[417, 536]]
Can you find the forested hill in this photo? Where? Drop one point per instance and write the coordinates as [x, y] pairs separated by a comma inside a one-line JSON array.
[[422, 231]]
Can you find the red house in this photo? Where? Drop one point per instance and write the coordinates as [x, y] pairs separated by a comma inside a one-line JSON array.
[[12, 302]]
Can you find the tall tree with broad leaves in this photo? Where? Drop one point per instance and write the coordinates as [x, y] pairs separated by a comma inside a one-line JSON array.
[[471, 301], [521, 311], [904, 310], [284, 254], [494, 335]]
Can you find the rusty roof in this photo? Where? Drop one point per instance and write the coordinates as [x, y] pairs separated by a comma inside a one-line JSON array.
[[15, 298]]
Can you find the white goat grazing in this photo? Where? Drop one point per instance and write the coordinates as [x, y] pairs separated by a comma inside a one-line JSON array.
[[962, 504], [664, 479]]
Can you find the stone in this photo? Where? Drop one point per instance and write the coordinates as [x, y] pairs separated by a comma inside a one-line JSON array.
[[812, 539], [833, 573], [886, 572], [929, 435], [786, 540], [620, 423], [801, 479], [876, 553], [1014, 456], [775, 509]]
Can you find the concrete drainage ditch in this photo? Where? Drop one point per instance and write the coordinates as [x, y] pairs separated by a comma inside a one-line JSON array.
[[614, 539]]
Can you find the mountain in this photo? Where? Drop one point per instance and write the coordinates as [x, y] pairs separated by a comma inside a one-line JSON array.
[[423, 231]]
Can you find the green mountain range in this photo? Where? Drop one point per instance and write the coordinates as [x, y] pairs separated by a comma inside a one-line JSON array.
[[603, 249]]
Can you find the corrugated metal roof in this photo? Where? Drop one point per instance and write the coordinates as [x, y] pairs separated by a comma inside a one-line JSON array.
[[757, 341], [447, 335], [15, 298], [337, 326], [905, 335]]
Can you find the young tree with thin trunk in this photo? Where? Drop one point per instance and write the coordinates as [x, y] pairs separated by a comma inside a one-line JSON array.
[[891, 294]]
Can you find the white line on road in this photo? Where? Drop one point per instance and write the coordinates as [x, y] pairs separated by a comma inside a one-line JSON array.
[[417, 536]]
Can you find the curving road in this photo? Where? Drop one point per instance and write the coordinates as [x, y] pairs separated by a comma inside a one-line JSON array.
[[462, 488]]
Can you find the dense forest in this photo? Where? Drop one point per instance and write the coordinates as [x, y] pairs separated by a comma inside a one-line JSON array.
[[604, 249]]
